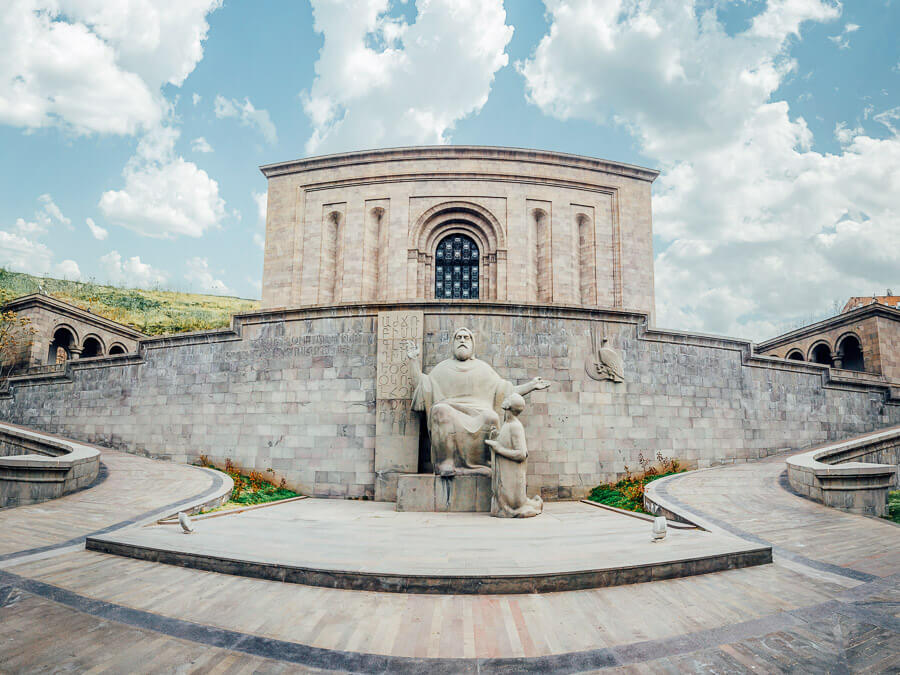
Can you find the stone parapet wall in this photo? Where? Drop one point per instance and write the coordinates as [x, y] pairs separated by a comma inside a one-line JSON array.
[[854, 475], [35, 468], [295, 391]]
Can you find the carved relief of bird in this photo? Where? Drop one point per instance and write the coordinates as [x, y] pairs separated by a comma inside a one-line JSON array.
[[185, 522], [611, 361]]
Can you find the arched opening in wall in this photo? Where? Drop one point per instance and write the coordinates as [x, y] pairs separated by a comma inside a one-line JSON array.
[[117, 349], [587, 267], [821, 353], [61, 346], [91, 347], [456, 264], [850, 354], [540, 226], [795, 355]]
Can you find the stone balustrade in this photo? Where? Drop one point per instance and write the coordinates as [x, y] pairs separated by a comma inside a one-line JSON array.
[[853, 475], [35, 467]]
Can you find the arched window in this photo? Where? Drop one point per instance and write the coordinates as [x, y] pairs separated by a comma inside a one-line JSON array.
[[456, 268], [116, 349]]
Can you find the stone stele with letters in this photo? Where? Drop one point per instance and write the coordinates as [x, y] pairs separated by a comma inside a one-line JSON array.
[[396, 426]]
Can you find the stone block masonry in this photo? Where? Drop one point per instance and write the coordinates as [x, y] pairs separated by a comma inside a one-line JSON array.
[[295, 391]]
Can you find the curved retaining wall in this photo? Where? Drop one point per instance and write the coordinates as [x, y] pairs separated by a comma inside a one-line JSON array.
[[35, 467], [294, 390], [854, 475]]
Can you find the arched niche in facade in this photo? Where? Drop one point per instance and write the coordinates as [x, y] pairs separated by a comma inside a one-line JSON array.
[[62, 344], [795, 355], [117, 348], [820, 353], [849, 353], [458, 217], [92, 345]]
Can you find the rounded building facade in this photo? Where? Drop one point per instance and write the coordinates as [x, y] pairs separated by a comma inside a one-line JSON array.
[[458, 223]]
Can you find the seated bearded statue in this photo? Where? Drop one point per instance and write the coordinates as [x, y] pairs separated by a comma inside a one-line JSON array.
[[461, 398]]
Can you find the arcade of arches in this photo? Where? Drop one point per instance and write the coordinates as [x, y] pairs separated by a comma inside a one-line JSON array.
[[864, 339], [63, 332]]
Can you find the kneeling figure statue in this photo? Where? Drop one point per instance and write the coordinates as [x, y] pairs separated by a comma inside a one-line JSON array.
[[508, 455]]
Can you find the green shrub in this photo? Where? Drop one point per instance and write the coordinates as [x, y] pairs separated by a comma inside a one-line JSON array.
[[628, 493]]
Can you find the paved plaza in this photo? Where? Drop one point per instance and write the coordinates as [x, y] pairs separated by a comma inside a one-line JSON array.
[[830, 600]]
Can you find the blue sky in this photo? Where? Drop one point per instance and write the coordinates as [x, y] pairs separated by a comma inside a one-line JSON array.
[[131, 131]]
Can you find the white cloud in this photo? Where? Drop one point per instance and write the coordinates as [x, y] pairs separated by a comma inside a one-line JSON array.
[[98, 232], [67, 269], [48, 215], [845, 134], [131, 272], [196, 98], [248, 115], [20, 250], [259, 237], [200, 144], [382, 82], [96, 67], [842, 40], [888, 118], [164, 195], [758, 229], [198, 273], [22, 254]]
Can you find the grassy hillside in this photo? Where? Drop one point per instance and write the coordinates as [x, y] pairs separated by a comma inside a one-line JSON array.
[[153, 312]]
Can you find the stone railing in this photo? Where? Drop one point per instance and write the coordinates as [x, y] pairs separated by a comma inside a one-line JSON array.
[[35, 467], [853, 475]]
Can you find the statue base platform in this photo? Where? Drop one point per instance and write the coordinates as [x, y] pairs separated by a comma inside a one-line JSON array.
[[369, 546], [451, 494]]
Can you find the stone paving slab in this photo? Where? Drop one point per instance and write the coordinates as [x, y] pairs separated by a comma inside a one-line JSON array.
[[755, 501], [369, 546]]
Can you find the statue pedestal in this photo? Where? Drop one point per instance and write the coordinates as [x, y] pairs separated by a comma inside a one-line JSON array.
[[427, 492]]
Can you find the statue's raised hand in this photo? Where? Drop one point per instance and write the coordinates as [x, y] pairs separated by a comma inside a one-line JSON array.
[[412, 349], [540, 383]]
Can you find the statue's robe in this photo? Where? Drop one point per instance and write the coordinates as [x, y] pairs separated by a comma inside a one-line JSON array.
[[509, 476], [461, 400]]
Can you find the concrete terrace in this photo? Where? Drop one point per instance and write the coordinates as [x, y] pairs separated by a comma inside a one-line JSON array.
[[829, 601]]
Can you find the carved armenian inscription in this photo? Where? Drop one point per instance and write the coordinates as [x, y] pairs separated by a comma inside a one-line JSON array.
[[392, 370], [396, 425]]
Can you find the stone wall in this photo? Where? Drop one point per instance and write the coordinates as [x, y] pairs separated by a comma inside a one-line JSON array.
[[295, 391]]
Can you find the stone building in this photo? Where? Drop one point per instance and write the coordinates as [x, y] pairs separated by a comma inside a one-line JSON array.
[[63, 331], [544, 256], [457, 222], [865, 338]]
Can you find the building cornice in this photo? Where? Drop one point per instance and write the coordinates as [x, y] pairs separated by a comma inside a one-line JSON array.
[[72, 311], [858, 314], [459, 152]]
